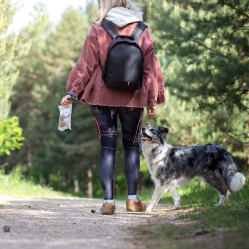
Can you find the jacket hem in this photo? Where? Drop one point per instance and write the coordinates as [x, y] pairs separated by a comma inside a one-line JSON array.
[[160, 99], [115, 105]]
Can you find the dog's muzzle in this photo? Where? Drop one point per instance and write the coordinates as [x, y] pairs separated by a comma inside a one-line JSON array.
[[145, 137]]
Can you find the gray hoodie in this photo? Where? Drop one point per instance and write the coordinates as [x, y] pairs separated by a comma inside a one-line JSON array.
[[121, 16]]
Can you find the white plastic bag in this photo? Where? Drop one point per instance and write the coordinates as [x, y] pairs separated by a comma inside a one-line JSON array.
[[65, 117]]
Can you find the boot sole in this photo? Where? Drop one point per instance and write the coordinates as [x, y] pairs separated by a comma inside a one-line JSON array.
[[107, 213], [135, 210]]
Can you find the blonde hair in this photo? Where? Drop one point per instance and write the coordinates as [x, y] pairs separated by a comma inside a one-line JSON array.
[[106, 5]]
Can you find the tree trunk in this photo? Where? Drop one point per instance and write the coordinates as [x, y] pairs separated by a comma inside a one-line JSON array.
[[90, 183], [29, 158], [64, 181], [41, 179], [76, 186]]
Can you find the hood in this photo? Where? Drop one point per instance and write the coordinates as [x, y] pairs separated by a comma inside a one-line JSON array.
[[121, 16]]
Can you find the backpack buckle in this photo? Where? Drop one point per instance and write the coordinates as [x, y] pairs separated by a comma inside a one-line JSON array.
[[125, 37]]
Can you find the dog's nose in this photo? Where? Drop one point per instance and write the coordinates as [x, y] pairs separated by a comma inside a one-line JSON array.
[[143, 129]]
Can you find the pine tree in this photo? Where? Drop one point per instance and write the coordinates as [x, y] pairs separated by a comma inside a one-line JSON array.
[[210, 44], [203, 50], [13, 49]]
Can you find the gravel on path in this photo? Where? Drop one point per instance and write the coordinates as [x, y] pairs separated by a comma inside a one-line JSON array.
[[65, 223]]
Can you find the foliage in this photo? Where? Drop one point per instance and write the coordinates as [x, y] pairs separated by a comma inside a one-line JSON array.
[[91, 10], [8, 64], [10, 135], [203, 50], [209, 45], [13, 49]]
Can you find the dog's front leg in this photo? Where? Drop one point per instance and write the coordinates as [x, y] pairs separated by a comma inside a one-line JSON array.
[[176, 198], [159, 190]]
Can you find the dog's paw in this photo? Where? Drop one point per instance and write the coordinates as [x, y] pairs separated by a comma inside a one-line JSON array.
[[149, 209], [175, 208]]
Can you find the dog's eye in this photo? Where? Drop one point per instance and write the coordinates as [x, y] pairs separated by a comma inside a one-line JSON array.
[[153, 130]]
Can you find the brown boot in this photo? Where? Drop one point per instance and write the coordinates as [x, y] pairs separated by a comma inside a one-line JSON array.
[[107, 208], [133, 206]]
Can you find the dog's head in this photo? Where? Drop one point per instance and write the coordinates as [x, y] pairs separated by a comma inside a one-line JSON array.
[[151, 134]]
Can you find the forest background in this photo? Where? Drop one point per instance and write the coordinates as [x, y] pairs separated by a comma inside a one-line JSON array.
[[203, 49]]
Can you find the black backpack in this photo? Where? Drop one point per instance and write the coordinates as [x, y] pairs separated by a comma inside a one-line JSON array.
[[123, 66]]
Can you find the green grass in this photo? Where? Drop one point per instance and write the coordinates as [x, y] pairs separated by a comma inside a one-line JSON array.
[[14, 184], [197, 203], [235, 213]]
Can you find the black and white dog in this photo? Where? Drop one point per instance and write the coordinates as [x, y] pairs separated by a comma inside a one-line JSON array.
[[171, 167]]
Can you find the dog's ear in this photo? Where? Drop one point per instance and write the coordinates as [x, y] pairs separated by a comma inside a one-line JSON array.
[[163, 131], [148, 125]]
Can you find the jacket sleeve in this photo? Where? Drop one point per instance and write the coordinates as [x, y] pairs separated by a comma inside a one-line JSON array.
[[152, 73], [160, 83], [86, 65]]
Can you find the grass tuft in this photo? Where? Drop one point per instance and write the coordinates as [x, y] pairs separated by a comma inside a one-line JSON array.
[[14, 184], [199, 213]]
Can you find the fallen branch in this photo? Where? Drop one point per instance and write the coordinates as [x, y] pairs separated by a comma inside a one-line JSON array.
[[4, 165]]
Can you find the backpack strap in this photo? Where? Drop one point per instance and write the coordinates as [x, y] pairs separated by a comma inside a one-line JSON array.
[[109, 28], [139, 29]]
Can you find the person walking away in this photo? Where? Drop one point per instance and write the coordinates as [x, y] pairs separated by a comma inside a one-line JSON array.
[[88, 82]]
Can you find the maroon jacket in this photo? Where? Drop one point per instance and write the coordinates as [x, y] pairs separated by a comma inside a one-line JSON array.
[[85, 79]]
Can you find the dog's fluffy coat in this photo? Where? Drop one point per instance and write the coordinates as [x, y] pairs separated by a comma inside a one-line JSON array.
[[171, 167]]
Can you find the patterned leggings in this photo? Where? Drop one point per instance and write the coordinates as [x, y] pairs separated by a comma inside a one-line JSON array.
[[106, 121]]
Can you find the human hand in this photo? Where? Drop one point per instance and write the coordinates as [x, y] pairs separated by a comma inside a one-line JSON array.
[[151, 111], [67, 100]]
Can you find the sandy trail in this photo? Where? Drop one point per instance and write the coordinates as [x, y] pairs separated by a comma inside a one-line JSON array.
[[69, 223]]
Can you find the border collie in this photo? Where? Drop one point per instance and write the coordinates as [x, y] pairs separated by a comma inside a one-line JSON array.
[[171, 167]]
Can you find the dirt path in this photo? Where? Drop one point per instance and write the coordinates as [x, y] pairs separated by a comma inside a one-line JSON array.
[[69, 223]]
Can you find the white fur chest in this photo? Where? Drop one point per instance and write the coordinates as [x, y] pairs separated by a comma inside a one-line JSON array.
[[155, 159]]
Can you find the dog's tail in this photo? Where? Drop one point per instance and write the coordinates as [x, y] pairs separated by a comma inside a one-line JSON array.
[[235, 181]]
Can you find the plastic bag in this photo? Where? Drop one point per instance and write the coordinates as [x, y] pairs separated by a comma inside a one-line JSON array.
[[65, 117]]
